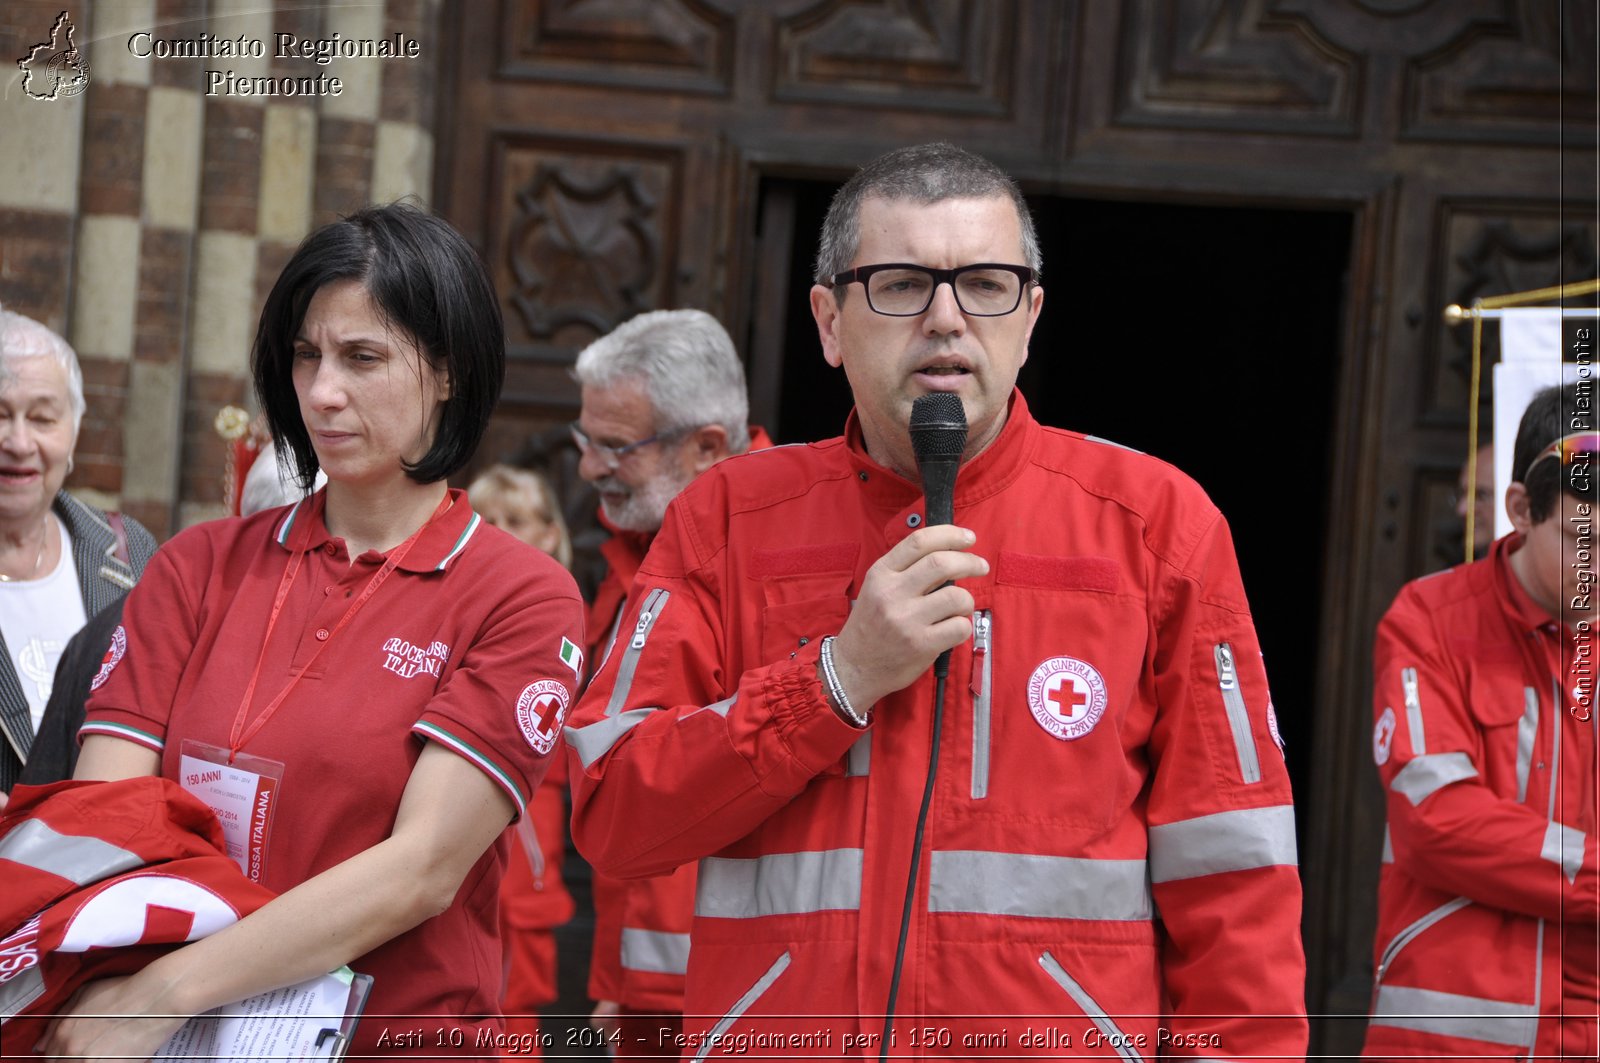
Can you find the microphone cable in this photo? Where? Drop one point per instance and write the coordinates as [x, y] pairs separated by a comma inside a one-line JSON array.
[[941, 671], [938, 431]]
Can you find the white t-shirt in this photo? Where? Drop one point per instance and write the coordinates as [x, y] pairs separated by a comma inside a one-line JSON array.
[[37, 617]]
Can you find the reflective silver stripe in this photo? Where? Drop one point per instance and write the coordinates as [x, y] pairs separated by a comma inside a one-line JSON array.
[[1563, 845], [1453, 1015], [1555, 750], [779, 884], [1550, 814], [859, 761], [78, 859], [22, 990], [742, 1005], [1388, 846], [1038, 887], [1427, 775], [719, 707], [1408, 680], [655, 950], [1086, 1004], [982, 659], [530, 845], [654, 603], [1224, 841], [1527, 727], [1402, 939], [1244, 742], [593, 741]]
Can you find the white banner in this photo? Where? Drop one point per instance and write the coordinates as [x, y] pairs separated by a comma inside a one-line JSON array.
[[1530, 352]]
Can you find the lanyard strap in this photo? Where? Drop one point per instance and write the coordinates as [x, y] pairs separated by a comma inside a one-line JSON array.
[[239, 735]]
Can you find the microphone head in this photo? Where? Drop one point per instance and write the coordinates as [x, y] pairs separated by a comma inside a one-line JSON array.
[[938, 427]]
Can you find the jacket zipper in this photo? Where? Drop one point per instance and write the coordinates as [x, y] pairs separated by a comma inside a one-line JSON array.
[[1402, 939], [1408, 680], [654, 603], [1244, 742], [1122, 1042], [982, 672]]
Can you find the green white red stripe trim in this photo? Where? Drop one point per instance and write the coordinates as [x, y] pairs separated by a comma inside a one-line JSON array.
[[122, 730], [461, 543], [438, 734], [288, 523]]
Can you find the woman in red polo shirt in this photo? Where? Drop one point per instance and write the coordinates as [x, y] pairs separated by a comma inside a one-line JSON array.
[[365, 686]]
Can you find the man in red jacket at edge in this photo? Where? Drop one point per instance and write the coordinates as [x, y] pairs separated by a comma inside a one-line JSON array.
[[664, 399], [1107, 749], [1484, 683]]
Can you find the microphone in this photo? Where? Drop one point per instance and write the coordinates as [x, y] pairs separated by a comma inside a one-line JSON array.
[[938, 436]]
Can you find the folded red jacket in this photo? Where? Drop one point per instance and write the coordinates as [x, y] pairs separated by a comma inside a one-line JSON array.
[[100, 879]]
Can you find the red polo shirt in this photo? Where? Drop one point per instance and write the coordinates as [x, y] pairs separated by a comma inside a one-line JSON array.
[[462, 645]]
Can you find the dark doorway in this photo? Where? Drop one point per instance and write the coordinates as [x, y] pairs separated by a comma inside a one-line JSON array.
[[1206, 336]]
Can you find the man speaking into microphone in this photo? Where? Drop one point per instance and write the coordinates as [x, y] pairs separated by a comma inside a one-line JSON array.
[[1079, 843]]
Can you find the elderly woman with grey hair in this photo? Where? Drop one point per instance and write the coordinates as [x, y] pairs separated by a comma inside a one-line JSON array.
[[61, 560]]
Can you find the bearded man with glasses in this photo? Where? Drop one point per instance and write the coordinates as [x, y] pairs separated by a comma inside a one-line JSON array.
[[895, 862], [1485, 734], [664, 399]]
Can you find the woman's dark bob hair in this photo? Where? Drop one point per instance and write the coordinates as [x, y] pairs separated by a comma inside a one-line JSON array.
[[422, 277]]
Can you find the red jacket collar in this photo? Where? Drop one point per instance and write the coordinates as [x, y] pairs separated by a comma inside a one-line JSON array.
[[989, 473], [1519, 606]]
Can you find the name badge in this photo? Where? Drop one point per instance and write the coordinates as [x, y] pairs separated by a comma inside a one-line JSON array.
[[244, 795]]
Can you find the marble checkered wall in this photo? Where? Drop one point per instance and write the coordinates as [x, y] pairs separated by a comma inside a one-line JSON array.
[[145, 219]]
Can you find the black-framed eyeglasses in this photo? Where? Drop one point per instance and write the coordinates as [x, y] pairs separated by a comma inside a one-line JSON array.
[[902, 289], [612, 456]]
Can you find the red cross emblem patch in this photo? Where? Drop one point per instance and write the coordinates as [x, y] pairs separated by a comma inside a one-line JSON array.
[[1067, 697], [541, 710], [114, 652]]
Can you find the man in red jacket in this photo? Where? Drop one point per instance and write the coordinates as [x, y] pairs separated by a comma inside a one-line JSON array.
[[1484, 683], [664, 399], [988, 874]]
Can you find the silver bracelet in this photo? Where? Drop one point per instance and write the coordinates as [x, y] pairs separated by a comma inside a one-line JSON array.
[[836, 688]]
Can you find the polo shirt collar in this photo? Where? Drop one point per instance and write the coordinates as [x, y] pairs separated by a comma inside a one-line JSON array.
[[441, 543], [987, 474]]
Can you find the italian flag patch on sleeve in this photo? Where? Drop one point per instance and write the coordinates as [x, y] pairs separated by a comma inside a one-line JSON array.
[[572, 657]]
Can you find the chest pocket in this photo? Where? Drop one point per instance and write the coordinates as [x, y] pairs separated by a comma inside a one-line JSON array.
[[805, 595], [1057, 667], [1508, 715]]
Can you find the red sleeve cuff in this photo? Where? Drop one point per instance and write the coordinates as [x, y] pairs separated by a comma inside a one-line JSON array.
[[815, 735]]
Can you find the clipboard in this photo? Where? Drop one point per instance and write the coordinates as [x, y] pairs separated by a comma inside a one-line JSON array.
[[342, 1036], [290, 1023]]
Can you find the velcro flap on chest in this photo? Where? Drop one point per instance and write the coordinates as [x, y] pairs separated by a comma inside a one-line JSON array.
[[1501, 703], [1044, 572], [798, 561]]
